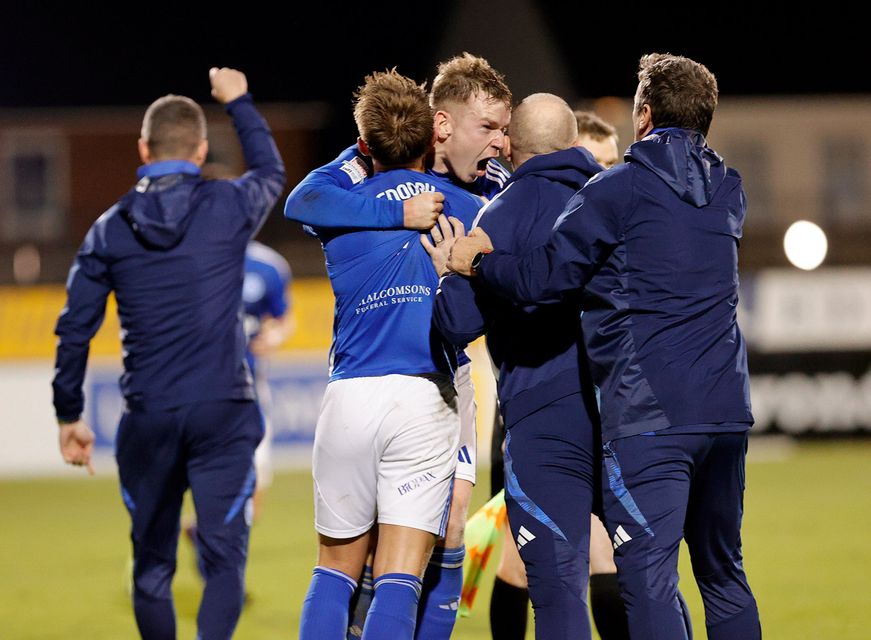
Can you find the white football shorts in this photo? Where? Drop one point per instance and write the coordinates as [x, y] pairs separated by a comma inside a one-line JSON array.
[[467, 456], [385, 450]]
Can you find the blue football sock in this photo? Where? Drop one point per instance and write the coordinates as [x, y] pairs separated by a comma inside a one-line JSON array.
[[394, 607], [360, 604], [325, 609], [440, 599]]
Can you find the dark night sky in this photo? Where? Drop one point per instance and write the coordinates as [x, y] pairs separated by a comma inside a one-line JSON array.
[[64, 56]]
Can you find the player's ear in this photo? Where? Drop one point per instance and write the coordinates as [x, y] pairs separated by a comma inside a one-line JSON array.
[[201, 153], [506, 147], [643, 121], [443, 125], [144, 151], [363, 147]]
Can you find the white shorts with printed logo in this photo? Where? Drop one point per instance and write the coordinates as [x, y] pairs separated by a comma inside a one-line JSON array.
[[385, 450], [467, 456]]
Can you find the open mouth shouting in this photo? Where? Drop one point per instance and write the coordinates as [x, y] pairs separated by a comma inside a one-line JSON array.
[[481, 166]]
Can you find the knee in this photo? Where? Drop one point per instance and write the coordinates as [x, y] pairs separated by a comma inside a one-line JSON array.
[[601, 551], [647, 573], [561, 575], [456, 528], [725, 623], [152, 577], [725, 593], [511, 569], [221, 554]]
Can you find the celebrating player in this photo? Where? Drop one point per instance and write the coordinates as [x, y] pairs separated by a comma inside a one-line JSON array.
[[386, 440], [472, 107], [172, 250]]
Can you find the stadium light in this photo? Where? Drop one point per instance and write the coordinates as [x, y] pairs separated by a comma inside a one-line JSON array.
[[805, 245]]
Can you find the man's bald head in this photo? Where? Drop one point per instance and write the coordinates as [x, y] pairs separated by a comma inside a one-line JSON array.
[[541, 123]]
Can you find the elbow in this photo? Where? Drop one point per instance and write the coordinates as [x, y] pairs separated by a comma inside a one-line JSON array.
[[456, 333], [297, 203]]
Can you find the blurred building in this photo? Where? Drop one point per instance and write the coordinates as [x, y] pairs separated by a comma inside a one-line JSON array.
[[61, 168]]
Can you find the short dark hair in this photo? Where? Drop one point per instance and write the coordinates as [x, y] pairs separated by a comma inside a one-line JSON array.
[[394, 118], [462, 77], [173, 127], [681, 92], [589, 124]]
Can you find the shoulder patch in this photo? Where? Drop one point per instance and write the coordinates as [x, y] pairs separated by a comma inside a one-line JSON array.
[[356, 170]]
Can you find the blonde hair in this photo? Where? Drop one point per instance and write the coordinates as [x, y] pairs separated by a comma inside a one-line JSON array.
[[465, 76]]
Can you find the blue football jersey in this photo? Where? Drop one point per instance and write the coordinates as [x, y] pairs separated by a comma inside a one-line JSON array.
[[264, 292], [385, 285]]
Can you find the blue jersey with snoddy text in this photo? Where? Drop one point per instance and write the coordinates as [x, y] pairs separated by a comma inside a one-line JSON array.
[[385, 284]]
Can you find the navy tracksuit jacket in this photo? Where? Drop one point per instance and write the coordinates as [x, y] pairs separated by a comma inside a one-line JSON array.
[[172, 249], [654, 245]]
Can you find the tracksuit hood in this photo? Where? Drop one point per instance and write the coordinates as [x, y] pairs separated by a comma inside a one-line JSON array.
[[571, 167], [158, 208], [682, 159]]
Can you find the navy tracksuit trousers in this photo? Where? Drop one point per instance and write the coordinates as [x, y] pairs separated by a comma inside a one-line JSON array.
[[550, 475], [208, 447], [660, 488]]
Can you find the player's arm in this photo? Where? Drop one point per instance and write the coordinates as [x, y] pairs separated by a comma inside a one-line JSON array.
[[264, 181], [273, 332], [460, 311], [323, 200], [88, 287], [278, 325], [582, 239]]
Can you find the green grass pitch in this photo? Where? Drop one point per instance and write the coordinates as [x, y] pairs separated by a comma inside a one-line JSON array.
[[64, 548]]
